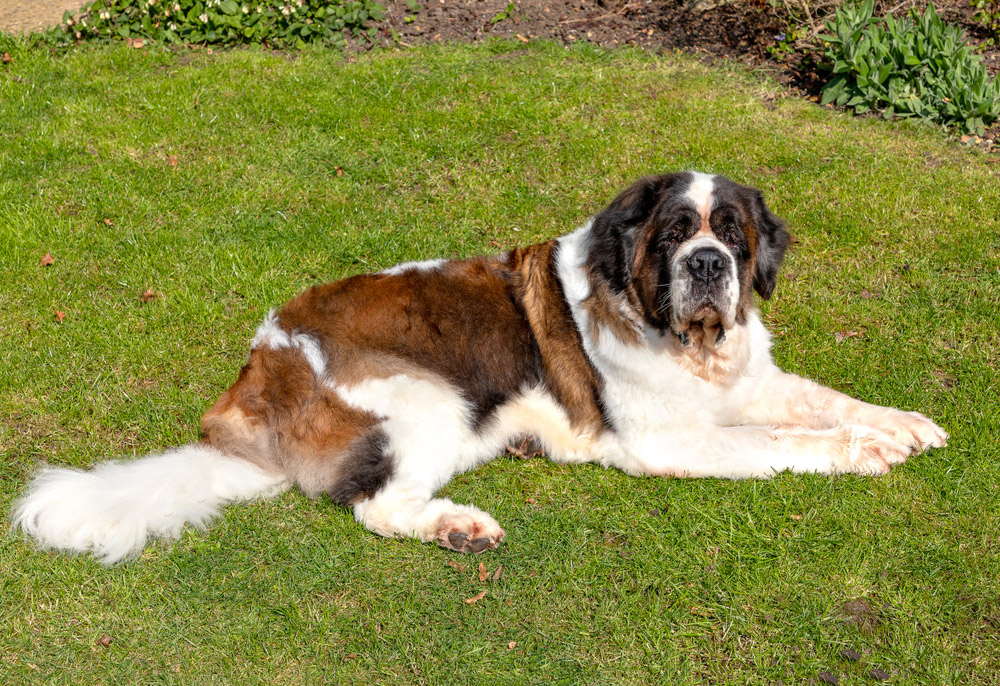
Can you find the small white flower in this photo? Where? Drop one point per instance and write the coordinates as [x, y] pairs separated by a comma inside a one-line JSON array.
[[286, 10], [203, 18], [104, 14], [177, 7], [172, 26], [246, 10]]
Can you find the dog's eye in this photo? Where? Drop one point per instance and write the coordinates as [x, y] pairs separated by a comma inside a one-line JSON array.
[[676, 231], [729, 232]]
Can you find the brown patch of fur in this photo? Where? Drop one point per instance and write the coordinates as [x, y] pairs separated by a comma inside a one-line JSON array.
[[749, 229], [567, 372], [604, 311], [459, 323], [278, 417]]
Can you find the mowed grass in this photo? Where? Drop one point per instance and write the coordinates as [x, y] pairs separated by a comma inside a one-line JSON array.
[[226, 183]]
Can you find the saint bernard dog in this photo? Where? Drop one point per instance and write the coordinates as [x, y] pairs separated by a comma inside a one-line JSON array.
[[632, 342]]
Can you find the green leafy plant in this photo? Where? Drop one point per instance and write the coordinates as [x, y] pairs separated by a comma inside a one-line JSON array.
[[291, 23], [987, 13], [917, 67], [413, 7], [784, 42], [505, 13]]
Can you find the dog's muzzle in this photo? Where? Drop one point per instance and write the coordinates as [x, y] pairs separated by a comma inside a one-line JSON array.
[[704, 289]]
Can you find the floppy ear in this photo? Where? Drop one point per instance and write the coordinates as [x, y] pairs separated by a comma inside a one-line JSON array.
[[772, 241], [615, 232]]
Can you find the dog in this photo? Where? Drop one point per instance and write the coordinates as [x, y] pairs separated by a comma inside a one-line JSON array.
[[632, 342]]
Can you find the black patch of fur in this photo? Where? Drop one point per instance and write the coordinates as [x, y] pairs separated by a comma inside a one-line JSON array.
[[614, 232], [772, 241], [367, 467]]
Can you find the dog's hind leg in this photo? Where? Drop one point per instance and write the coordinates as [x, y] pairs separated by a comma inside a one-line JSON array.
[[429, 436]]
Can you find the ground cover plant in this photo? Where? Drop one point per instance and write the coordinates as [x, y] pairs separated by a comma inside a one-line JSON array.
[[916, 67], [291, 23], [155, 204]]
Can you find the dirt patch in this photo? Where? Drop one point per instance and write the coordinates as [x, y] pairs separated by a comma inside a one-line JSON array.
[[863, 613], [23, 16], [732, 30]]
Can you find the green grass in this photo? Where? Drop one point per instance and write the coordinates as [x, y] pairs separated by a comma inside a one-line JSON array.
[[448, 151]]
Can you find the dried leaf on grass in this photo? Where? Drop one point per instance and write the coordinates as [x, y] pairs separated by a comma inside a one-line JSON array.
[[7, 59], [496, 574], [104, 641], [841, 336], [48, 260], [476, 598], [456, 565], [148, 296], [484, 573], [60, 316]]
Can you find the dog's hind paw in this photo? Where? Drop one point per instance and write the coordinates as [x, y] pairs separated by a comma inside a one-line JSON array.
[[468, 531]]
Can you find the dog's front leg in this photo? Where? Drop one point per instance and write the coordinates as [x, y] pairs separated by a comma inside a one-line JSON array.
[[743, 452], [781, 399]]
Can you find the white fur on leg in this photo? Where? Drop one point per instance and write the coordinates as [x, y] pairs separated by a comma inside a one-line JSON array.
[[113, 509], [402, 512]]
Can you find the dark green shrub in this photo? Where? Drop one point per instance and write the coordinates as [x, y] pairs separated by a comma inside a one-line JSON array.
[[917, 67], [291, 23]]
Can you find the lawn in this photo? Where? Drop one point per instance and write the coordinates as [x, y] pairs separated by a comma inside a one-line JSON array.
[[224, 183]]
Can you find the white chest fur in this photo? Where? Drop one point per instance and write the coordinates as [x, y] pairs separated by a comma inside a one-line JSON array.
[[659, 383]]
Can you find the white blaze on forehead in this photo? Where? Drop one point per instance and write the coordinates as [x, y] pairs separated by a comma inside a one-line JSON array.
[[700, 193]]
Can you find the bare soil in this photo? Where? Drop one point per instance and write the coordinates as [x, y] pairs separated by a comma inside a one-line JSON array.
[[746, 30], [24, 16]]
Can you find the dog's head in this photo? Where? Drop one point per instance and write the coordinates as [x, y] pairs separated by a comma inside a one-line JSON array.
[[687, 250]]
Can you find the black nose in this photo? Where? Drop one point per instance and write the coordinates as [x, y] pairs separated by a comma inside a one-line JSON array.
[[706, 264]]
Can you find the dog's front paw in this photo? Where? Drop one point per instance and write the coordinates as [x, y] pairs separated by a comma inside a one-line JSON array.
[[871, 452], [468, 531], [912, 429]]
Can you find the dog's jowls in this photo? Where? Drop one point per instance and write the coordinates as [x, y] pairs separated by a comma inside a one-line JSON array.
[[632, 342]]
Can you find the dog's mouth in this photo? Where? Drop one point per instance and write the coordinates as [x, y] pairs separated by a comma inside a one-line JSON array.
[[705, 318]]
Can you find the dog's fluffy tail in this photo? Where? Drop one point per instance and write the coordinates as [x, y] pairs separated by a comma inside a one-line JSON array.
[[113, 509]]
